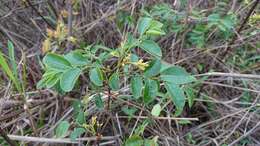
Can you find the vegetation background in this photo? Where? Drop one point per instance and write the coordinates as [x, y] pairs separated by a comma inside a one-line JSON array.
[[213, 47]]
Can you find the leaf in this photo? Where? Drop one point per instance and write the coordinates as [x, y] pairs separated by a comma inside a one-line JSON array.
[[52, 80], [150, 90], [136, 86], [77, 105], [96, 76], [152, 48], [184, 122], [130, 111], [62, 129], [143, 24], [76, 133], [177, 75], [155, 28], [191, 95], [56, 62], [156, 110], [76, 58], [80, 119], [150, 142], [177, 96], [99, 102], [114, 81], [153, 69], [12, 58], [8, 72], [69, 78], [134, 140]]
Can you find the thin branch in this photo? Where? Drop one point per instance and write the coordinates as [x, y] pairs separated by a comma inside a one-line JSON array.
[[30, 4], [58, 140], [160, 118], [235, 75]]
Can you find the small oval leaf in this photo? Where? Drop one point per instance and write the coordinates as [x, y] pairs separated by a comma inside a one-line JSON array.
[[153, 69], [177, 96], [96, 76], [150, 90], [114, 81], [136, 86], [56, 62], [152, 48], [62, 129], [69, 78], [156, 110]]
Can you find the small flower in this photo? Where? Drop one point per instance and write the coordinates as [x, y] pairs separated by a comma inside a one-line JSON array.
[[72, 39], [64, 13], [46, 45], [141, 65]]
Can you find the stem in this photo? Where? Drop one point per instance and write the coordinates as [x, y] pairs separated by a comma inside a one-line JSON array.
[[30, 4]]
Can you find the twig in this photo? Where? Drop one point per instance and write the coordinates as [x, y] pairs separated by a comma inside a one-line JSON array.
[[160, 118], [236, 75], [257, 126], [242, 26], [58, 140], [30, 4]]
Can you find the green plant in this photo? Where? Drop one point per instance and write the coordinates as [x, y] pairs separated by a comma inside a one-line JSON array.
[[11, 72], [148, 77], [145, 78]]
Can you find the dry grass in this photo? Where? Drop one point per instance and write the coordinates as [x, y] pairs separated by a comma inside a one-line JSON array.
[[224, 117]]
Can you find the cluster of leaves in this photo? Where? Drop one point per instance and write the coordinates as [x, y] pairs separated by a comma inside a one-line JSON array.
[[201, 25], [148, 78], [62, 71]]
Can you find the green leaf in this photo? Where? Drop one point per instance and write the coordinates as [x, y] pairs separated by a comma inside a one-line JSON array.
[[77, 105], [99, 102], [114, 81], [191, 95], [56, 62], [52, 80], [177, 96], [76, 58], [62, 129], [177, 75], [134, 140], [150, 90], [155, 28], [76, 133], [156, 110], [8, 72], [136, 86], [150, 142], [96, 76], [152, 48], [12, 58], [184, 122], [130, 111], [69, 79], [153, 69], [143, 24], [80, 119]]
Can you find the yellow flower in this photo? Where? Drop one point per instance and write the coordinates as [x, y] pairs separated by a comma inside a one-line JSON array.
[[72, 39], [46, 45], [50, 33], [126, 60], [141, 65], [64, 13]]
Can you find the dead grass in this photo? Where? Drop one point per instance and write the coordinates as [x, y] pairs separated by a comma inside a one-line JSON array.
[[227, 104]]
